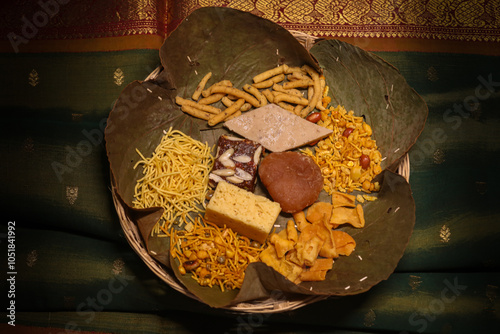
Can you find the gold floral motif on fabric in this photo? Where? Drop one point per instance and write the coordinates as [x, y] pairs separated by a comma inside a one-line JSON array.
[[476, 20]]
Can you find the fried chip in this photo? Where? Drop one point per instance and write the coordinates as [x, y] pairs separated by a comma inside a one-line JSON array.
[[361, 215], [329, 249], [322, 264], [291, 231], [310, 242], [308, 256], [300, 220], [345, 244], [290, 270], [269, 257], [343, 215], [319, 212], [282, 245], [312, 276], [342, 199]]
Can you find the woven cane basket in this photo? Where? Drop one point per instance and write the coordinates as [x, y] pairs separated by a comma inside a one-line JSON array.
[[270, 305]]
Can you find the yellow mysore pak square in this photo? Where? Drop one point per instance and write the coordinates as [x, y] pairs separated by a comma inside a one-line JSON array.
[[244, 212]]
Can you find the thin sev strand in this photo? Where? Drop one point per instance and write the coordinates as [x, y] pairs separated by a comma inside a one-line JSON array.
[[217, 242], [175, 178]]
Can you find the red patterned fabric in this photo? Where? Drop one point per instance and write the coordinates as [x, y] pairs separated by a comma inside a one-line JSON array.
[[91, 25]]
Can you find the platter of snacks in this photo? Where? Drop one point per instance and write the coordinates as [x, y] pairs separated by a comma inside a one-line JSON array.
[[255, 174]]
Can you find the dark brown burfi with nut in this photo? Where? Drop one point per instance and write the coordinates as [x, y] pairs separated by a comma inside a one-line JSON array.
[[236, 162]]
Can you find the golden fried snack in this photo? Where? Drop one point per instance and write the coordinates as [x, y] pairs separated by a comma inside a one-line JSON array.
[[270, 73], [277, 88], [343, 215], [322, 264], [213, 255], [319, 212], [343, 199], [291, 231], [236, 114], [255, 92], [209, 99], [215, 119], [349, 158], [317, 90], [312, 276], [236, 92], [208, 91], [298, 75], [269, 257], [298, 83], [159, 187], [269, 95], [300, 220], [283, 97], [201, 86], [282, 245], [269, 82], [286, 106], [203, 107], [195, 112], [344, 243]]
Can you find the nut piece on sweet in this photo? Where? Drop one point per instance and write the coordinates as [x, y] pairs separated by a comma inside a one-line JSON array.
[[292, 179], [236, 162]]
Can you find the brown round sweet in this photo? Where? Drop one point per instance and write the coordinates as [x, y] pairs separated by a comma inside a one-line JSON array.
[[292, 179]]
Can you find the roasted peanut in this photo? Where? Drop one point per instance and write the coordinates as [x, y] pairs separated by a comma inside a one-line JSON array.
[[314, 117]]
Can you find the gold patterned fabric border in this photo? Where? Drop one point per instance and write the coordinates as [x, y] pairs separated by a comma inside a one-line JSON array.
[[468, 26], [89, 25], [464, 20]]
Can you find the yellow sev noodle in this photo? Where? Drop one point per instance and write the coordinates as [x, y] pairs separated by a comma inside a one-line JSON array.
[[220, 255], [175, 177]]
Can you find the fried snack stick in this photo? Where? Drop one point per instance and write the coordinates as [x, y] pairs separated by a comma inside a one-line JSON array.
[[196, 112], [291, 231], [298, 83], [269, 82], [322, 82], [270, 73], [269, 95], [300, 220], [236, 114], [297, 109], [208, 91], [277, 88], [255, 92], [211, 99], [203, 107], [215, 119], [317, 91], [297, 75], [286, 106], [284, 97], [236, 92], [201, 86], [228, 102]]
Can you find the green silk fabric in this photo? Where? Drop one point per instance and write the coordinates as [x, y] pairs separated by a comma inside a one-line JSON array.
[[76, 270]]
